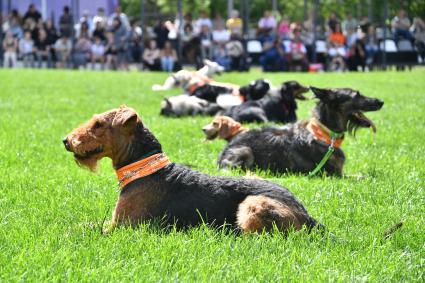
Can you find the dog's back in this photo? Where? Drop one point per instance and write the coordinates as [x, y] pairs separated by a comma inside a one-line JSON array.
[[279, 149]]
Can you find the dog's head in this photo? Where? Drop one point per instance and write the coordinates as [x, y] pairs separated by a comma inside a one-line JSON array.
[[166, 108], [293, 90], [348, 105], [213, 68], [109, 134], [255, 90], [222, 127]]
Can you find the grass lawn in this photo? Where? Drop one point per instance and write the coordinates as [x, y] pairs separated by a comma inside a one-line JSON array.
[[51, 210]]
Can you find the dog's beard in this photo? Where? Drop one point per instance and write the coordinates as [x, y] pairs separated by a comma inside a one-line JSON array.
[[359, 120], [89, 159], [211, 136], [89, 163]]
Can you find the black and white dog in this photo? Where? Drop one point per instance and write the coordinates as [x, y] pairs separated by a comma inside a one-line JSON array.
[[278, 105]]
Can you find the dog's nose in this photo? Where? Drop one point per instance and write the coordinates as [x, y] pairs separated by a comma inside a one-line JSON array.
[[381, 103], [66, 143], [204, 130]]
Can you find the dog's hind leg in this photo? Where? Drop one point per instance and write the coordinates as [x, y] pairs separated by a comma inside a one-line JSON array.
[[241, 156], [258, 213]]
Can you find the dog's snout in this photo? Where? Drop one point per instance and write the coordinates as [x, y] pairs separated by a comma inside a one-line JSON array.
[[204, 130], [380, 103], [66, 143]]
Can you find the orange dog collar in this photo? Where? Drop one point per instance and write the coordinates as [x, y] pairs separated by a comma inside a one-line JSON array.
[[237, 129], [322, 133], [141, 168]]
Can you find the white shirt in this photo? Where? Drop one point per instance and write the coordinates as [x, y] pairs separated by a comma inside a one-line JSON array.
[[97, 50], [221, 35]]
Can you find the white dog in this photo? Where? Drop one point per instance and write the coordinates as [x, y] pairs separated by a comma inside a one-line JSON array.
[[187, 79]]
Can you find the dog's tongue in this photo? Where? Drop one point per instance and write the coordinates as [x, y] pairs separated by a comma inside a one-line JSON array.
[[364, 121]]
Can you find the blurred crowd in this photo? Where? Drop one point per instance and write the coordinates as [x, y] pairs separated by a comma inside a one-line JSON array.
[[115, 42]]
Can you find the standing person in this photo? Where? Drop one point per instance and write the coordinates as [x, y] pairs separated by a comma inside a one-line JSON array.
[[332, 22], [111, 51], [350, 23], [419, 35], [99, 31], [122, 17], [121, 41], [161, 33], [235, 23], [283, 28], [100, 18], [66, 23], [203, 20], [26, 49], [168, 57], [32, 13], [10, 47]]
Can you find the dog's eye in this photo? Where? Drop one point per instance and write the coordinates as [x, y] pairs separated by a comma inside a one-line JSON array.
[[97, 125], [215, 124]]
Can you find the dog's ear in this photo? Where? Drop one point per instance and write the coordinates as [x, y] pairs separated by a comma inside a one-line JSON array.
[[125, 118], [224, 129], [323, 94], [168, 103]]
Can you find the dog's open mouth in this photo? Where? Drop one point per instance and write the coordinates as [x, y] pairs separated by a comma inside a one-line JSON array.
[[299, 93], [360, 119], [88, 154], [211, 136]]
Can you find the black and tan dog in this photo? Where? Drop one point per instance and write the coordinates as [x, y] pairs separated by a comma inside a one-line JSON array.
[[152, 187], [274, 107], [300, 147]]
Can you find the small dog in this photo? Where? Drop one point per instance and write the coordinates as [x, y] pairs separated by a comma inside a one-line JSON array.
[[279, 107], [187, 79], [301, 146], [152, 187], [223, 127]]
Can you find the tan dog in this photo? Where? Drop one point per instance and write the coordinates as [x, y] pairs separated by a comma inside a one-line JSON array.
[[223, 127]]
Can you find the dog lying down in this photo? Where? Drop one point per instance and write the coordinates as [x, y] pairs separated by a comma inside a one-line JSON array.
[[223, 127], [153, 187], [184, 105], [301, 147], [278, 105], [185, 79]]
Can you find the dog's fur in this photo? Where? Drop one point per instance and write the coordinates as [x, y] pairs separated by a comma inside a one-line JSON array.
[[186, 105], [176, 194], [212, 100], [185, 78], [223, 127], [292, 148], [279, 107]]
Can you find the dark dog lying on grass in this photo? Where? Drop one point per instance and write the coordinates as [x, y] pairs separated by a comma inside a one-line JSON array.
[[152, 187], [278, 107], [300, 147]]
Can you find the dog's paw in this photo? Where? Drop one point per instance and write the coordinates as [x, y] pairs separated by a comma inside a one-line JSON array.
[[108, 227]]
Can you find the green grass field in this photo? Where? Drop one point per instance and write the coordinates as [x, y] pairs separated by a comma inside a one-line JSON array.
[[51, 210]]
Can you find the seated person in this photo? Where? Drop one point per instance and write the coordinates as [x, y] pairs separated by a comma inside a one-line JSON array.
[[43, 52], [63, 48], [168, 57], [97, 52], [357, 56], [151, 56], [111, 51], [26, 49], [297, 53], [400, 25], [337, 54], [82, 51], [337, 37], [235, 52], [273, 58]]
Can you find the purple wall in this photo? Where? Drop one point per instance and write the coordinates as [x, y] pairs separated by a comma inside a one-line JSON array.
[[55, 7]]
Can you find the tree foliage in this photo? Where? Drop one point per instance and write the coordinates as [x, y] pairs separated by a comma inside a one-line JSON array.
[[166, 9]]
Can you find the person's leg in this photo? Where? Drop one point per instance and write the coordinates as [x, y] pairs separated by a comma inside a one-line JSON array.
[[6, 60], [13, 59], [163, 63]]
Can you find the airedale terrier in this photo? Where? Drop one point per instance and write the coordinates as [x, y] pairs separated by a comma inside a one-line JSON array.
[[152, 187]]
